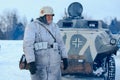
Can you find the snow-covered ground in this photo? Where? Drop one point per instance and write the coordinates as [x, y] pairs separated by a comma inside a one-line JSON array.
[[117, 61], [10, 53]]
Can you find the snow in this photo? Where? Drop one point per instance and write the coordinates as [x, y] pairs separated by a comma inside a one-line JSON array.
[[117, 61], [10, 53]]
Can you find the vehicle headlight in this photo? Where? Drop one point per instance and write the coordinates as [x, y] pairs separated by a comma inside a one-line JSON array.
[[112, 41]]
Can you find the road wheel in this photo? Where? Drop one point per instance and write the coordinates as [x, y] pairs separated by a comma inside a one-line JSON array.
[[109, 69]]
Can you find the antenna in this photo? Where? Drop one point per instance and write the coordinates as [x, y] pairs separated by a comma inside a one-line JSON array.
[[65, 12]]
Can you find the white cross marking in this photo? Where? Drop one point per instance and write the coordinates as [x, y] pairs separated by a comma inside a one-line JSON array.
[[77, 43]]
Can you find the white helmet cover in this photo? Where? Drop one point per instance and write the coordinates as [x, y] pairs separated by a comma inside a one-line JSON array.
[[46, 10]]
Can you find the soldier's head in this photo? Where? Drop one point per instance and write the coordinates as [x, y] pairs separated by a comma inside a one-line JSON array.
[[46, 13]]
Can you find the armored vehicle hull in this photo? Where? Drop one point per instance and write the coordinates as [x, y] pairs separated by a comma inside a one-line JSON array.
[[89, 46], [86, 46]]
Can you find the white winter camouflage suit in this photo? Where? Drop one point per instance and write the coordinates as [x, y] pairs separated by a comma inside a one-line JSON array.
[[47, 60]]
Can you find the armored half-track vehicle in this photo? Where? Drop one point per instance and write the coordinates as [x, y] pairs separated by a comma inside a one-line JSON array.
[[89, 46]]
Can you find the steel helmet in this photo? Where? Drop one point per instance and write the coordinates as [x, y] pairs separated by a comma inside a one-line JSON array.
[[46, 10]]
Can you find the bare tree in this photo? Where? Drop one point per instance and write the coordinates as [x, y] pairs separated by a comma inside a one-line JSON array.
[[9, 23]]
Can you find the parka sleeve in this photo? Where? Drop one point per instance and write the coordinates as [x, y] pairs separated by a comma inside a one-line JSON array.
[[28, 42], [61, 44]]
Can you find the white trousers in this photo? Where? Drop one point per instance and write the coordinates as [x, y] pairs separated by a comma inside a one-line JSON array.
[[47, 73]]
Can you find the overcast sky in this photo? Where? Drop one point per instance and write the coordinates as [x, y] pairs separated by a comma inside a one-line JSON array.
[[95, 9]]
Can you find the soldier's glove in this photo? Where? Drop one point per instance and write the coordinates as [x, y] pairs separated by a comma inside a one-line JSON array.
[[65, 63], [32, 68]]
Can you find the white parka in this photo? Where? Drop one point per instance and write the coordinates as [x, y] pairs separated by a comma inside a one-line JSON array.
[[47, 60], [35, 33]]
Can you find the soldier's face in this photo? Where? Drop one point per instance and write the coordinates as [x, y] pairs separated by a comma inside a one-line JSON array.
[[49, 18]]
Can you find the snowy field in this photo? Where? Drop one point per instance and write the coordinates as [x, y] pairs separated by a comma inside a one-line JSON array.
[[10, 53]]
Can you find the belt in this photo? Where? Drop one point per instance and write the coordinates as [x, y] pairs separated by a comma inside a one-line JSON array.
[[45, 45], [50, 46]]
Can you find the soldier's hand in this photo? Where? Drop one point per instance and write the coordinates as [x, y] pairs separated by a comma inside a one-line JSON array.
[[65, 63], [32, 68]]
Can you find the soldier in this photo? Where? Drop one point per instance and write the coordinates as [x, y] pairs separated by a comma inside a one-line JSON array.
[[44, 48]]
